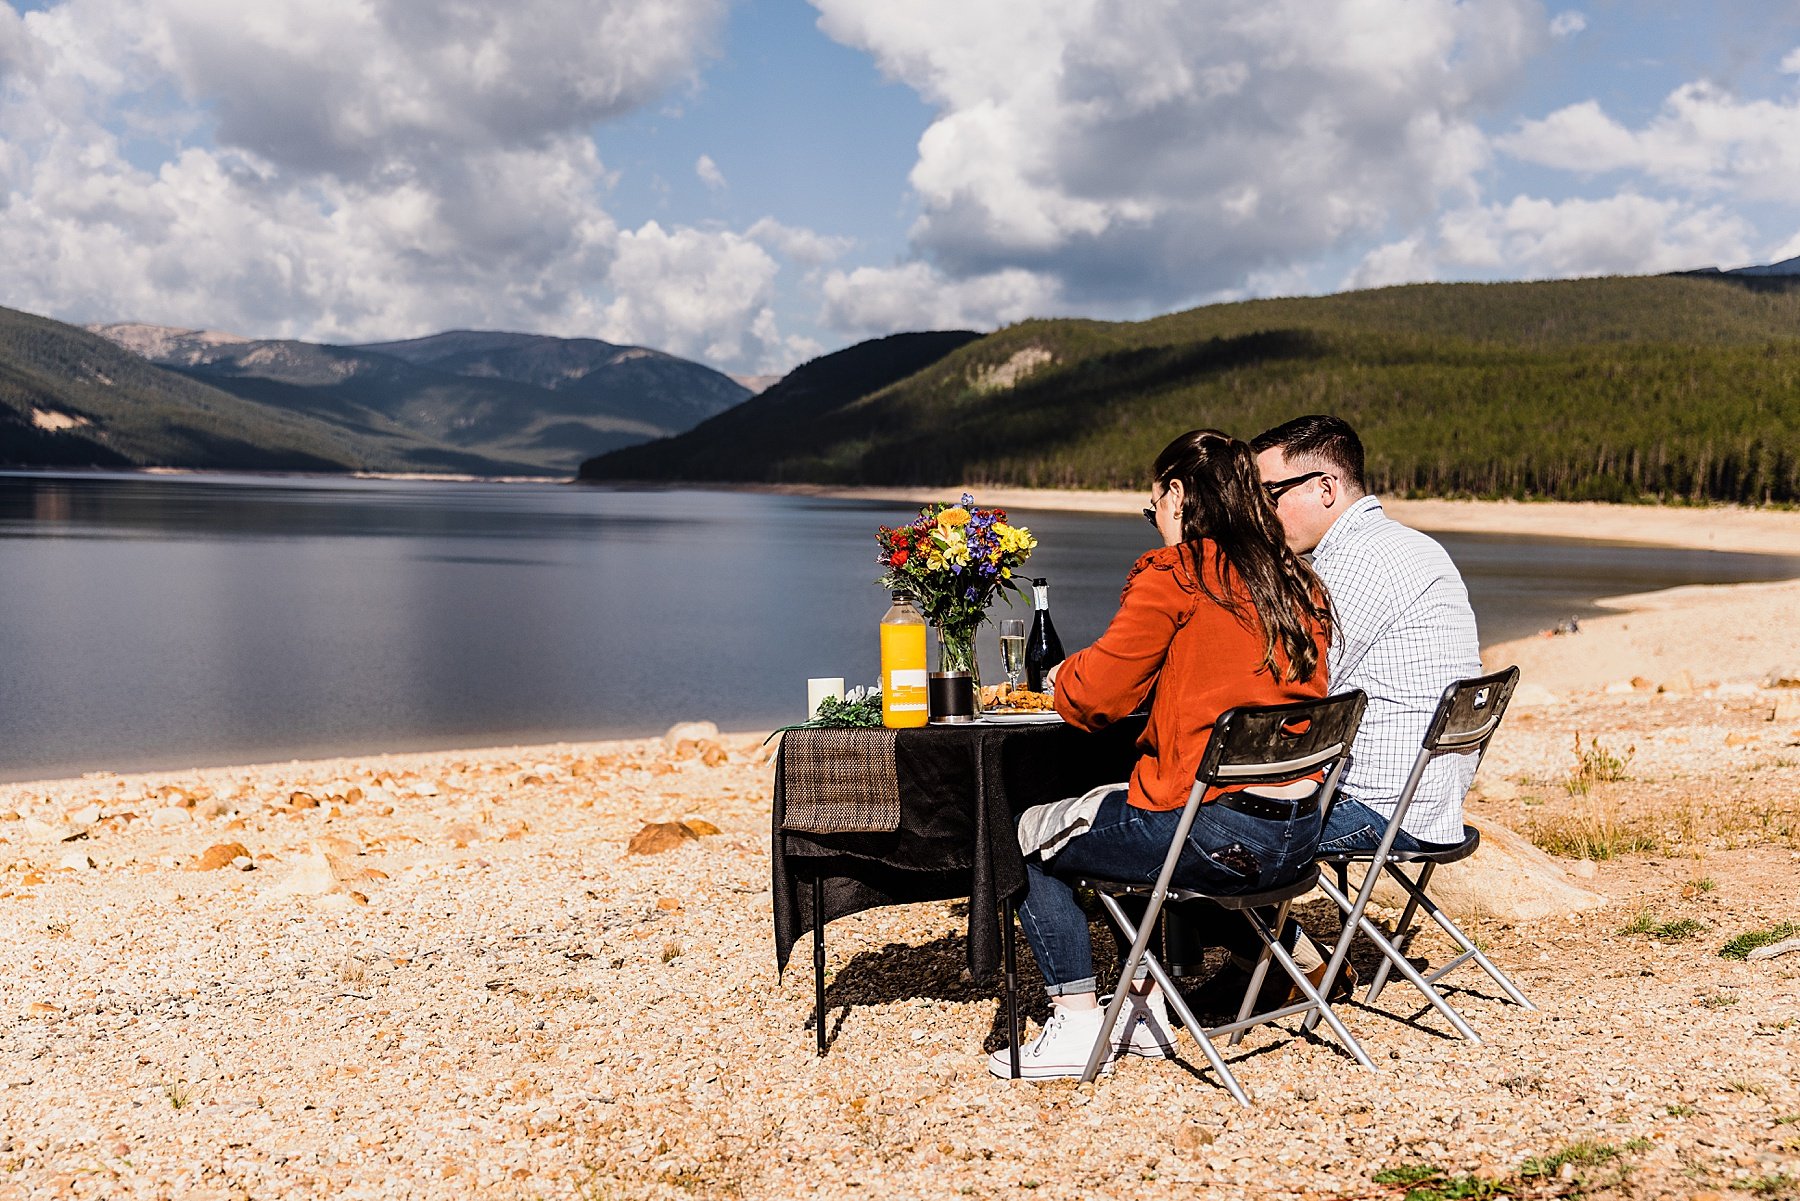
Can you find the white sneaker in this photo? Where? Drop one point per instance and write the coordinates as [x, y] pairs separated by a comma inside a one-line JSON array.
[[1143, 1028], [1060, 1050]]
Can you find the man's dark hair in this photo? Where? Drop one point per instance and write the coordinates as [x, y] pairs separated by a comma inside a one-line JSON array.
[[1321, 437]]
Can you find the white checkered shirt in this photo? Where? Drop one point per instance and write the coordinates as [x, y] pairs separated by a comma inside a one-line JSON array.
[[1404, 632]]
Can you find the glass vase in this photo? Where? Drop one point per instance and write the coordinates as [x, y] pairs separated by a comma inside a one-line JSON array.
[[956, 652]]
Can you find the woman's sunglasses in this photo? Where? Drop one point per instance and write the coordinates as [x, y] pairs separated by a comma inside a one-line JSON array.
[[1279, 488]]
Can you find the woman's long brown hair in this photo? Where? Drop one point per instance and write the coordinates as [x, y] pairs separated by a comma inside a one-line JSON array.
[[1223, 500]]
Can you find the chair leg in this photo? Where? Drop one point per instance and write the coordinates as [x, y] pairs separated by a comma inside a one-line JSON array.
[[1012, 983], [1171, 994], [1469, 950], [1316, 1000], [1403, 929], [1253, 990], [1137, 935], [1391, 955], [818, 915]]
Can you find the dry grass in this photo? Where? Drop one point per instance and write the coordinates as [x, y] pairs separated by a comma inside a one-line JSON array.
[[1596, 764], [1612, 820], [1594, 827]]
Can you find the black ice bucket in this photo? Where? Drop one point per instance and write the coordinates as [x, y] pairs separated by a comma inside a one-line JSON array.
[[951, 697]]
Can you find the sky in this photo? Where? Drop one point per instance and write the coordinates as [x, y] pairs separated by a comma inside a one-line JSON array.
[[752, 184]]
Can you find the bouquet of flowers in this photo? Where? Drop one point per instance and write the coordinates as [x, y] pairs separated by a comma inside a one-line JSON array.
[[954, 558]]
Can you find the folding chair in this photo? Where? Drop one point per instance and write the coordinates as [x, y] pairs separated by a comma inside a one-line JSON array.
[[1464, 722], [1276, 744]]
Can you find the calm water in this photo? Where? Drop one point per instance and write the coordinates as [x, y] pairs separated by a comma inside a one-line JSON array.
[[170, 621]]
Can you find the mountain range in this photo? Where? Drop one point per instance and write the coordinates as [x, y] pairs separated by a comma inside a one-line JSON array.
[[1624, 389], [476, 400], [1682, 386], [467, 402]]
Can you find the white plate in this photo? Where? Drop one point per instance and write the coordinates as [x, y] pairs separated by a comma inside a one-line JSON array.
[[1021, 719]]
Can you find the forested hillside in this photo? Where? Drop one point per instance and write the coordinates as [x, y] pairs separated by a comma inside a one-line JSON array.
[[1618, 389]]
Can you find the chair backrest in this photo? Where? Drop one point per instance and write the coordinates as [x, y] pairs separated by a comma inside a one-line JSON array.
[[1273, 744], [1469, 713], [1466, 717]]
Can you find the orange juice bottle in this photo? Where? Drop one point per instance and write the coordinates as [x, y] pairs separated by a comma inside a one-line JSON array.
[[903, 701]]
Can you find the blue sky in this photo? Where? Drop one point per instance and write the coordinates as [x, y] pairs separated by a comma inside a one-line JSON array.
[[752, 184]]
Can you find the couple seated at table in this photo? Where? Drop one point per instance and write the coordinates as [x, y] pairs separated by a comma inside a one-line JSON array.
[[1228, 613]]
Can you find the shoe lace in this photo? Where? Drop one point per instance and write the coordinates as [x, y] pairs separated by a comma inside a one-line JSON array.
[[1051, 1026]]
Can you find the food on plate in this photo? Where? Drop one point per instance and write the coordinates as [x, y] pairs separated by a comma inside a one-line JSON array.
[[1006, 698]]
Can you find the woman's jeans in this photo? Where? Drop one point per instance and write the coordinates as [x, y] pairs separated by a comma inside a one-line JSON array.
[[1227, 852]]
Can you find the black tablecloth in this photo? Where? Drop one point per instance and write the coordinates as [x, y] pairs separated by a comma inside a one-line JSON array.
[[960, 787]]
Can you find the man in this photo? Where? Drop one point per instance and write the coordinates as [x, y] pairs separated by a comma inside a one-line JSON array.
[[1404, 631]]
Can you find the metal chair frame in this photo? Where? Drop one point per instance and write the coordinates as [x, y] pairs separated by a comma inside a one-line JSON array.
[[1463, 724], [1246, 748]]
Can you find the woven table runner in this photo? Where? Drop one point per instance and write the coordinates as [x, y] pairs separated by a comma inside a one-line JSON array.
[[840, 781]]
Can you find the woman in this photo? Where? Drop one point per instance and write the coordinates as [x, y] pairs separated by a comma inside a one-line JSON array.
[[1224, 614]]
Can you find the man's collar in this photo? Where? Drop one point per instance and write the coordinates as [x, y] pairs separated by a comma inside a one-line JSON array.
[[1355, 515]]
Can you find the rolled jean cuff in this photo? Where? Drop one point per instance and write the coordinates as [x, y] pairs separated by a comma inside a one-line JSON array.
[[1072, 987]]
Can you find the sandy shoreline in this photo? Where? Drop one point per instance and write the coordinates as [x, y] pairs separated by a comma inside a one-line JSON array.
[[1717, 527], [442, 975]]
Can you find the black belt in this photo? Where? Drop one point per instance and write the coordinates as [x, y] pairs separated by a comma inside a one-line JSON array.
[[1268, 808]]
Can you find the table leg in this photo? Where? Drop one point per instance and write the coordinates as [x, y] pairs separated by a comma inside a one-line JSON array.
[[1012, 983], [818, 916]]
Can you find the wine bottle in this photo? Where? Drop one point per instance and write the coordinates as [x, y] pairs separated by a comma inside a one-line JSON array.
[[903, 698], [1043, 649]]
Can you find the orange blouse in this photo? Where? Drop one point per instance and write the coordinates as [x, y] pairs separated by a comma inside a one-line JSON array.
[[1199, 657]]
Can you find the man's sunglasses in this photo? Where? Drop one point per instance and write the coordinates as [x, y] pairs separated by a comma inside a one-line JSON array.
[[1278, 488]]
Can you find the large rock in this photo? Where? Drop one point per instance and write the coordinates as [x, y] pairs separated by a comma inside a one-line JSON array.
[[218, 856], [695, 730], [657, 837], [1506, 879], [326, 868]]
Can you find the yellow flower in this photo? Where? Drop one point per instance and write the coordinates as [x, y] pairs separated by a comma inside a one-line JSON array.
[[954, 516], [1014, 539]]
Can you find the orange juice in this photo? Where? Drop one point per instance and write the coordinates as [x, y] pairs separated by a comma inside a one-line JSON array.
[[903, 702]]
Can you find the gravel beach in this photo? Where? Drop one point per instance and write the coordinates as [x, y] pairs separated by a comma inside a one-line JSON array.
[[442, 975]]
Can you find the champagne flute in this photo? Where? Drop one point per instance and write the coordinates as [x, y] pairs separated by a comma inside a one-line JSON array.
[[1012, 649]]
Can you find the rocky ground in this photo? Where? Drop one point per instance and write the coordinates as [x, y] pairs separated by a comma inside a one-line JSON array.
[[443, 975]]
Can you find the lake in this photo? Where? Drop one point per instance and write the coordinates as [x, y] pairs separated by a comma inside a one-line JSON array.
[[167, 621]]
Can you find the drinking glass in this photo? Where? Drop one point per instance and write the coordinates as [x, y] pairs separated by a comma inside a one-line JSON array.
[[1012, 649]]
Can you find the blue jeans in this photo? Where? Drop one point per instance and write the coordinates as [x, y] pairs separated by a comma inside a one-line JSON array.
[[1353, 826], [1227, 852]]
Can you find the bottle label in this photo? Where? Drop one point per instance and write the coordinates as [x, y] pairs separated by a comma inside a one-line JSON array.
[[907, 691]]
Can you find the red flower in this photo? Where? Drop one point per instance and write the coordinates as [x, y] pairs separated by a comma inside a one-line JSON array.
[[899, 556]]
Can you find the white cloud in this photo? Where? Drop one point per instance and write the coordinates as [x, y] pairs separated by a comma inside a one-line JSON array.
[[1790, 62], [709, 174], [357, 169], [871, 301], [1137, 153], [1703, 139], [804, 246], [704, 293], [1567, 24], [1532, 238]]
